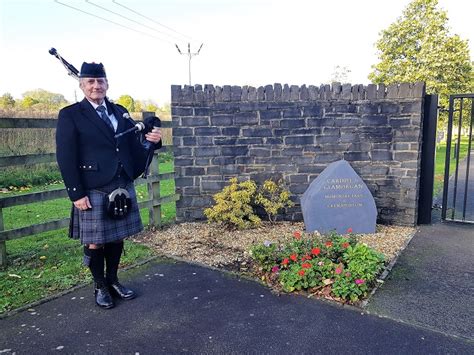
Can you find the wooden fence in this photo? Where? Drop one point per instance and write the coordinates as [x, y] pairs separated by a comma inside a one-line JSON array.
[[153, 203]]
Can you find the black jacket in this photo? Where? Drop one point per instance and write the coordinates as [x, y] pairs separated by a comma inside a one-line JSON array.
[[88, 155]]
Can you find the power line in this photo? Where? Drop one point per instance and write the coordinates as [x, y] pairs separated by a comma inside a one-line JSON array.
[[189, 53], [150, 19], [115, 23], [129, 19]]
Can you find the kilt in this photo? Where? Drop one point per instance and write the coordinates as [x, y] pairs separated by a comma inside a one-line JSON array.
[[94, 226]]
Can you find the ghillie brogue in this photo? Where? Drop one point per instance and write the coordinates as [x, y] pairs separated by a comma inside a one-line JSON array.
[[117, 289], [102, 297]]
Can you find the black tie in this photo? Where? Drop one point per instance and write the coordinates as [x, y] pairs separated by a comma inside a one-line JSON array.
[[105, 118]]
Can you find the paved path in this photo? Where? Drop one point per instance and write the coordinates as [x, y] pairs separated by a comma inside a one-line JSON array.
[[432, 283], [184, 308]]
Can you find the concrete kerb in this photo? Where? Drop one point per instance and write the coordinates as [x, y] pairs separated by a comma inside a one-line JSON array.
[[399, 320]]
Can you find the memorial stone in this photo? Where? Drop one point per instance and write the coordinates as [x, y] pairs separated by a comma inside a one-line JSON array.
[[338, 199]]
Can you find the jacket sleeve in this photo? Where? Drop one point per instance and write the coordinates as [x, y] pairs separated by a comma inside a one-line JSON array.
[[67, 156]]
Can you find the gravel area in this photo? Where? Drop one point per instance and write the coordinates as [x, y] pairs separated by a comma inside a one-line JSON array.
[[215, 246]]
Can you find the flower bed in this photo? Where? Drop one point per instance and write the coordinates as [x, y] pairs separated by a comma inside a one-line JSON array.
[[332, 266], [209, 244]]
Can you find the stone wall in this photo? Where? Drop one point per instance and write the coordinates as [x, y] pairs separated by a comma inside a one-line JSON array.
[[293, 132]]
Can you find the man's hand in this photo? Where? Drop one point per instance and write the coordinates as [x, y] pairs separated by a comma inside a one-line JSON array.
[[154, 136], [83, 203]]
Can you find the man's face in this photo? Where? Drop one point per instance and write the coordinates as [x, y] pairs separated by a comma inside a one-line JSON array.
[[95, 89]]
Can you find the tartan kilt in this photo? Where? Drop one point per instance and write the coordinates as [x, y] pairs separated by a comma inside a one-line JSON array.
[[94, 226]]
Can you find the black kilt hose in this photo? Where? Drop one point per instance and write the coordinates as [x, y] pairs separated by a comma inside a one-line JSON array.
[[94, 226]]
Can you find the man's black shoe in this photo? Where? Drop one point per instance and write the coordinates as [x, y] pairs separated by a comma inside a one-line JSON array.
[[121, 291], [103, 298]]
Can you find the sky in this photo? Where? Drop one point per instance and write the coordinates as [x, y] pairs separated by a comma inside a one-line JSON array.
[[245, 42]]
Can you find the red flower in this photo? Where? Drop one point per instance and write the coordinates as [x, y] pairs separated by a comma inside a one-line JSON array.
[[293, 257], [306, 257], [329, 244], [359, 281], [349, 230], [345, 245], [315, 251], [301, 272], [306, 266], [338, 270], [297, 234], [285, 261]]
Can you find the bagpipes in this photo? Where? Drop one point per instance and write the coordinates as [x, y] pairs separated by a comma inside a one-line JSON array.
[[137, 127]]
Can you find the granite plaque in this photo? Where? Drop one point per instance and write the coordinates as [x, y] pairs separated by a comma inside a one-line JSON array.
[[337, 200]]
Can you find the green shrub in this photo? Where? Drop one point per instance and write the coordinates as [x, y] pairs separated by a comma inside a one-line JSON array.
[[264, 254], [236, 204], [233, 205], [362, 265], [363, 262], [273, 197]]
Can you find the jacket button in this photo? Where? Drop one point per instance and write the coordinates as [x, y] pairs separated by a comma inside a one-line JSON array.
[[117, 149], [74, 189], [90, 166]]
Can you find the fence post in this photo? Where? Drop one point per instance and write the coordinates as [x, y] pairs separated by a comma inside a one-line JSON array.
[[154, 187], [3, 245], [154, 193]]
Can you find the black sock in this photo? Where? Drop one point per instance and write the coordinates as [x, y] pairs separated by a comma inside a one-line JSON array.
[[94, 258], [113, 252]]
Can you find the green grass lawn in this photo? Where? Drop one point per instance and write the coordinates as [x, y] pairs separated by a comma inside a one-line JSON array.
[[47, 263], [440, 162]]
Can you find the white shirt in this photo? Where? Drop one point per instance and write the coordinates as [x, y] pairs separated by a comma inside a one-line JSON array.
[[111, 116]]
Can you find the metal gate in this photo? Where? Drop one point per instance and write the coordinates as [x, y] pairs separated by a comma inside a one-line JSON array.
[[458, 190]]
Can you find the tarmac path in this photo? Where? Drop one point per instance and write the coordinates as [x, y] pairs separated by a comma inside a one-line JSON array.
[[184, 308]]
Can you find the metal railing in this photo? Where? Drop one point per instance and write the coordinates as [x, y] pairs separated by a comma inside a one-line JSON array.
[[458, 190]]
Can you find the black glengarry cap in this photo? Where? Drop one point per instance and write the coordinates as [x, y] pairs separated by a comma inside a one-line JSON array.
[[92, 70]]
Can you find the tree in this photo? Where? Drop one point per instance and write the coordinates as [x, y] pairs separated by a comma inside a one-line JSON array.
[[419, 47], [46, 99], [151, 107], [164, 111], [7, 101], [138, 106], [28, 102], [127, 102]]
